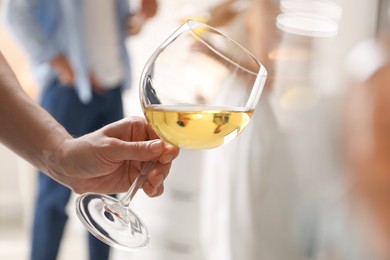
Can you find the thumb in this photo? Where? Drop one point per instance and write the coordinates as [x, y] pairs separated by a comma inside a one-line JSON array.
[[139, 151]]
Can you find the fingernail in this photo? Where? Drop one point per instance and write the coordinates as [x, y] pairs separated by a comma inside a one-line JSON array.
[[166, 158], [156, 146]]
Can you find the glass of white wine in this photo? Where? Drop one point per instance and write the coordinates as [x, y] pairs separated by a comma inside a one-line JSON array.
[[198, 90]]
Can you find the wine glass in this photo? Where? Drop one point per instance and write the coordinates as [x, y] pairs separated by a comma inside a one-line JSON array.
[[198, 90]]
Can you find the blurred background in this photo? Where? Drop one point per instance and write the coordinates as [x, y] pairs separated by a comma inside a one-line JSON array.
[[308, 179]]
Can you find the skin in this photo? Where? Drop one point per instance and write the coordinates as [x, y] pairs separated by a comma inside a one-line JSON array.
[[367, 152], [105, 161], [147, 10]]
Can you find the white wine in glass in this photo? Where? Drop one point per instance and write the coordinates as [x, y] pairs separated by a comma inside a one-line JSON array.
[[197, 128], [198, 90]]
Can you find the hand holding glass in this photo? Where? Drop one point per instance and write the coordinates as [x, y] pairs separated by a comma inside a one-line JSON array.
[[198, 91]]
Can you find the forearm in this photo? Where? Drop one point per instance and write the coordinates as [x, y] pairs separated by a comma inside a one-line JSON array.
[[25, 127]]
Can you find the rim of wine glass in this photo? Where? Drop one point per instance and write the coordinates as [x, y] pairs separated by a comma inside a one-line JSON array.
[[262, 73], [191, 22]]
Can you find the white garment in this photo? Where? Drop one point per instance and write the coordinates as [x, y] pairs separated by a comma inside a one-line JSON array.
[[102, 42], [247, 190], [247, 187]]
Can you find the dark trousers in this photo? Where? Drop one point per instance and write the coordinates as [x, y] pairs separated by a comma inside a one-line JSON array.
[[78, 119]]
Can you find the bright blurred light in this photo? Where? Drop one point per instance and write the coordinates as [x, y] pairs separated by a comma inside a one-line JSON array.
[[365, 59], [315, 7], [298, 98], [307, 25], [313, 18], [290, 54]]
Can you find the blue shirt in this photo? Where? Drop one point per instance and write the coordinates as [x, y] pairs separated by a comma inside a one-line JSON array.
[[47, 28]]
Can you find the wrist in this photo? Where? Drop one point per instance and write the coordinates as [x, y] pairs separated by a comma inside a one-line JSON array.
[[55, 152]]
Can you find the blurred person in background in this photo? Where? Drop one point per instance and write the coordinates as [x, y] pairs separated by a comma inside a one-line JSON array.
[[78, 54], [352, 221], [288, 158], [367, 143], [248, 216], [355, 224]]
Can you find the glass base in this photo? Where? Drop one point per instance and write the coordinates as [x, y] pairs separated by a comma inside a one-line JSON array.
[[110, 222]]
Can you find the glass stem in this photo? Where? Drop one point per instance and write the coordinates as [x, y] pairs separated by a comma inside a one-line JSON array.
[[137, 183]]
